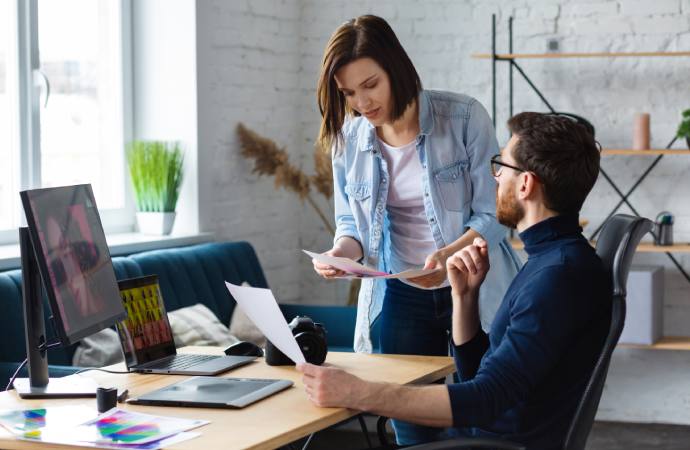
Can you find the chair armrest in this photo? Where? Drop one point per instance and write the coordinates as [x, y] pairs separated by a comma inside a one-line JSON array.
[[450, 444]]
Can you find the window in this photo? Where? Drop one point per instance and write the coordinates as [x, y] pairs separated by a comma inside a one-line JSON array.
[[62, 98], [9, 126]]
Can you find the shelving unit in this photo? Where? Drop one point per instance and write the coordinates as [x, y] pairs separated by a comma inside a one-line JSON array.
[[511, 58], [649, 152], [577, 55], [665, 343], [644, 247]]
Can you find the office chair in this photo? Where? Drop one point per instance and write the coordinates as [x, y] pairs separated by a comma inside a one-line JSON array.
[[616, 247]]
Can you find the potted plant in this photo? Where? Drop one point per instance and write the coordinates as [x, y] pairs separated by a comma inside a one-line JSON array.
[[156, 171], [684, 127]]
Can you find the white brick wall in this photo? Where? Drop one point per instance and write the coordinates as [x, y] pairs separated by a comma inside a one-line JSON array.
[[259, 61]]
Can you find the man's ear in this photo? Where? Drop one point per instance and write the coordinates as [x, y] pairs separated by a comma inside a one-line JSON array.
[[528, 185]]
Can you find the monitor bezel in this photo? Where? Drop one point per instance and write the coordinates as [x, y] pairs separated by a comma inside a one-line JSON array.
[[38, 250]]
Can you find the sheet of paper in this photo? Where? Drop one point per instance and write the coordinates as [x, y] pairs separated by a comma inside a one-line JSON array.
[[156, 445], [357, 270], [82, 426], [262, 309]]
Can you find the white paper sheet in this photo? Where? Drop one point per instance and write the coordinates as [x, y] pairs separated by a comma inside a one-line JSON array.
[[357, 270], [262, 309]]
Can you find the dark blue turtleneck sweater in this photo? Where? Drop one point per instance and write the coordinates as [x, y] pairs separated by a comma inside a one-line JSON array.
[[523, 381]]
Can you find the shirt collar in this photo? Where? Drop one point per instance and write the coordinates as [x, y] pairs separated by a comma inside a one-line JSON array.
[[550, 230], [426, 116], [426, 123]]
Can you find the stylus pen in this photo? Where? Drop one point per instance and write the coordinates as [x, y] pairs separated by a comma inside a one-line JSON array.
[[123, 396]]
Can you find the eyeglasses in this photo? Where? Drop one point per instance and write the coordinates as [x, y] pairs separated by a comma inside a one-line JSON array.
[[497, 165]]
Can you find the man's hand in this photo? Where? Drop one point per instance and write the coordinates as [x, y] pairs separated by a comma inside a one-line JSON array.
[[436, 260], [331, 387], [468, 267]]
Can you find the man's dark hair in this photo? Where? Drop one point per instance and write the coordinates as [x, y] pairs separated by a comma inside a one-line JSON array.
[[561, 152]]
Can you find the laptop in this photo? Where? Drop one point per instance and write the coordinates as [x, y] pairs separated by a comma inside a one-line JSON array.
[[147, 340], [213, 392]]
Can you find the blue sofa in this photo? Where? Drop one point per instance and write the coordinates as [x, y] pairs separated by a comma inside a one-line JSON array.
[[188, 275]]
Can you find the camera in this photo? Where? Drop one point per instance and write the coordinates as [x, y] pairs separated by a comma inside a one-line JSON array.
[[311, 339]]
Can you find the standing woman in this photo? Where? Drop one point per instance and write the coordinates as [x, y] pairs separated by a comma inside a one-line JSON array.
[[412, 186]]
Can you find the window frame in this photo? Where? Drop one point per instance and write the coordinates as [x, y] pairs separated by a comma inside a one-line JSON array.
[[30, 82]]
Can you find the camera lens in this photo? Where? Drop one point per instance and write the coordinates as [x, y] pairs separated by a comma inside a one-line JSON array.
[[311, 346]]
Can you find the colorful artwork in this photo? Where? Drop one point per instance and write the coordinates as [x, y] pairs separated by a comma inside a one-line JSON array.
[[146, 330], [31, 423], [82, 426], [119, 426], [122, 427]]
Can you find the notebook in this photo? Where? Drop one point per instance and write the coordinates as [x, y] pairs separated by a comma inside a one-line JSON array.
[[147, 340]]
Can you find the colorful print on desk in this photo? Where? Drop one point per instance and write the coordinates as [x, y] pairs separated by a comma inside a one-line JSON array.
[[32, 423]]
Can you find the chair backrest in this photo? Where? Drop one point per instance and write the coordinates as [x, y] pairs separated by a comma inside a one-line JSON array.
[[616, 247]]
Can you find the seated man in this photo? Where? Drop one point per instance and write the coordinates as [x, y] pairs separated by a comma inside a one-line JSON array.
[[523, 381]]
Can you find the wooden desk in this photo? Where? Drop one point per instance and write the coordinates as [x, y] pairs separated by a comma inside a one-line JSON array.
[[267, 424]]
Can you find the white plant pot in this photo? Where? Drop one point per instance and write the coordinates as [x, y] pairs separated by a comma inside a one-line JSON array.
[[158, 223]]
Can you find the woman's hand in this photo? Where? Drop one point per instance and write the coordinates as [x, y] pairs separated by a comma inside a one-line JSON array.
[[436, 260], [328, 271], [346, 247]]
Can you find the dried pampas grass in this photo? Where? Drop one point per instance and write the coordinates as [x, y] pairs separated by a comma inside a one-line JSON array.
[[271, 160]]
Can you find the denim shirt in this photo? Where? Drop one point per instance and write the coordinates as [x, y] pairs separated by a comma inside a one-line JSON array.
[[455, 144]]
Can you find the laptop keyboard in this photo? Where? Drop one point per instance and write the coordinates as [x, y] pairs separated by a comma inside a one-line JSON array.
[[180, 362]]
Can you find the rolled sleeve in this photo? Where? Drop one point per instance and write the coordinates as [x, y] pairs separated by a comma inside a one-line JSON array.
[[481, 145], [344, 221]]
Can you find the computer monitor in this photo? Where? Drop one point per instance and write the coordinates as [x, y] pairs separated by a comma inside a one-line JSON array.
[[64, 249]]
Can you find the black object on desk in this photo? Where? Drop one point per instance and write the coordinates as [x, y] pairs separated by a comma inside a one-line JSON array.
[[106, 399], [244, 348]]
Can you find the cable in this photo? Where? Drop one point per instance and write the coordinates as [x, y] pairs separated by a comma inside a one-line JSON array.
[[306, 444], [16, 372], [46, 346], [86, 369], [42, 347]]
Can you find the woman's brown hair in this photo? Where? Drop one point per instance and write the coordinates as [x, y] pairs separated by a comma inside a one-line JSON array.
[[364, 37]]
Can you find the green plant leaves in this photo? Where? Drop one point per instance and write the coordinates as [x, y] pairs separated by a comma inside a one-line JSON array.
[[155, 168], [684, 127]]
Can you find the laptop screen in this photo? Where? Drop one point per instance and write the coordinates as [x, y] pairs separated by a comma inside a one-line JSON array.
[[145, 335]]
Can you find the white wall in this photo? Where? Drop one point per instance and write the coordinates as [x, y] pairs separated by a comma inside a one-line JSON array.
[[258, 62], [248, 63]]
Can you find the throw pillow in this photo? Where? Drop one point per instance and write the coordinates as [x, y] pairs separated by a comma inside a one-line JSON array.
[[243, 328], [198, 325], [98, 350]]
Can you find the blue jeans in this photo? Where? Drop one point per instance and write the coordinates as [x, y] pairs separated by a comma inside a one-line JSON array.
[[415, 322]]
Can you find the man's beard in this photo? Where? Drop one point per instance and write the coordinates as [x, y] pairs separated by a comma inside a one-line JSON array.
[[508, 211]]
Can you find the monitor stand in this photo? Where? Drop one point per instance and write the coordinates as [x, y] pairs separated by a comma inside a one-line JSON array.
[[38, 385]]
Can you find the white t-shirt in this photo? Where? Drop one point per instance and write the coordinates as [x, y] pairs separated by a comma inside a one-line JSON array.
[[411, 238]]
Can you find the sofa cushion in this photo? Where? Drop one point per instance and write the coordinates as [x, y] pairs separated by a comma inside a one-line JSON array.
[[98, 350], [197, 325], [196, 274]]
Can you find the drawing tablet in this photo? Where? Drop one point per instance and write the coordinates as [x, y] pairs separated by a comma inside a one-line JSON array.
[[213, 392]]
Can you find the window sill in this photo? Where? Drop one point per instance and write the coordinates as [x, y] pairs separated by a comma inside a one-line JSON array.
[[119, 244]]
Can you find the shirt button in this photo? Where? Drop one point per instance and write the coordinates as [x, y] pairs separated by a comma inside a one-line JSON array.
[[433, 220], [423, 166], [426, 194]]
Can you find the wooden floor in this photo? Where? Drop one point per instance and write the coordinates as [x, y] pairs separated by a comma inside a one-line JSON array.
[[604, 436]]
